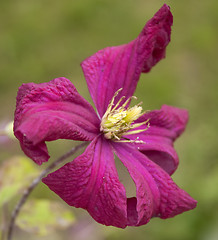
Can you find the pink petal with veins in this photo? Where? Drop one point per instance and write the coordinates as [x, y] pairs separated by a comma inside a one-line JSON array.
[[166, 125], [167, 198], [51, 111], [91, 182], [120, 67]]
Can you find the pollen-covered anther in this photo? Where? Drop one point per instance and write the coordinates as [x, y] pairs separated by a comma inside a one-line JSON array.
[[119, 120]]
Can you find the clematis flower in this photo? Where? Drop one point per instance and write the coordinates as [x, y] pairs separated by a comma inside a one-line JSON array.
[[143, 141]]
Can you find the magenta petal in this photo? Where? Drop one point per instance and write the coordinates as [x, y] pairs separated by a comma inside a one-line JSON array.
[[166, 125], [91, 182], [168, 122], [51, 111], [158, 149], [120, 67], [146, 203], [172, 200]]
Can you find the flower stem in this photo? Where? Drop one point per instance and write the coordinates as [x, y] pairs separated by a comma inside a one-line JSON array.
[[35, 183]]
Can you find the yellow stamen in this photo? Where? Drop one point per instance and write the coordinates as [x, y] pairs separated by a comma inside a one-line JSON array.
[[127, 101], [119, 120], [140, 124], [118, 103]]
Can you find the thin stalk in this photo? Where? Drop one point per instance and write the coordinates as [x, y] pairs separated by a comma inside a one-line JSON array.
[[35, 183]]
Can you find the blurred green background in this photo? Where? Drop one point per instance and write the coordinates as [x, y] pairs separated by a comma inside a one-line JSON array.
[[44, 39]]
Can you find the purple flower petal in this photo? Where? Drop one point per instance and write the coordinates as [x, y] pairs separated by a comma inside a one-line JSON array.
[[166, 125], [142, 207], [159, 150], [91, 182], [120, 67], [51, 111], [168, 199], [169, 121]]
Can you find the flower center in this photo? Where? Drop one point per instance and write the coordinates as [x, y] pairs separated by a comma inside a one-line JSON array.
[[119, 120]]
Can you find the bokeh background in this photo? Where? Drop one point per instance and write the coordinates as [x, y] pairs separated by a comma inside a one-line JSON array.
[[44, 39]]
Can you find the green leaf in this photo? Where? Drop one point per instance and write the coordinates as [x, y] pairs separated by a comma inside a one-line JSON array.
[[15, 174], [44, 216]]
